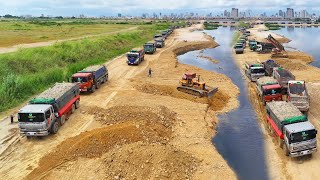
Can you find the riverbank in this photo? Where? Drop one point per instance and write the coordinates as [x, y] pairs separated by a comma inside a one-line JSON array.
[[134, 126], [280, 166]]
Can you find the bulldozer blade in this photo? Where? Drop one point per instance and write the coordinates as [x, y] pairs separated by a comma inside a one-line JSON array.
[[212, 92]]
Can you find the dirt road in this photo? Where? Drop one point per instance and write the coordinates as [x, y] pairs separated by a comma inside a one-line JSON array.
[[133, 126], [280, 166], [48, 43]]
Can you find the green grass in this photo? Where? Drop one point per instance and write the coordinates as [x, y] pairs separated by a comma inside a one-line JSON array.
[[209, 26], [243, 25], [235, 37], [273, 26], [29, 71]]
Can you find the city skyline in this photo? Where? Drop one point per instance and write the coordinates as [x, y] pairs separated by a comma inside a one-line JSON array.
[[137, 7]]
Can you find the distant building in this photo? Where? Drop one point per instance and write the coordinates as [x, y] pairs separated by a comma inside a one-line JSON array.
[[234, 13], [303, 14], [281, 13], [119, 15], [290, 13]]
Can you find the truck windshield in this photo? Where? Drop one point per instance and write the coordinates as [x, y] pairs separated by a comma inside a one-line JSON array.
[[79, 79], [31, 117], [149, 47], [302, 136], [132, 56], [257, 71], [297, 89], [272, 91]]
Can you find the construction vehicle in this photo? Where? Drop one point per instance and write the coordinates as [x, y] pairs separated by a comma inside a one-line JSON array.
[[157, 36], [254, 71], [190, 83], [269, 65], [135, 57], [268, 89], [253, 44], [239, 49], [49, 110], [298, 95], [283, 77], [279, 50], [164, 34], [91, 78], [159, 42], [295, 134], [150, 47]]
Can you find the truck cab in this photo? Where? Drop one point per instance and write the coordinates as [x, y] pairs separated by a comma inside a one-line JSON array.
[[269, 89], [36, 120], [150, 47], [254, 71], [159, 42], [300, 139], [239, 48], [135, 57], [85, 81], [298, 95]]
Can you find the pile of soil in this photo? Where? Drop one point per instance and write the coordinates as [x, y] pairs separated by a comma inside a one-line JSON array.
[[141, 161]]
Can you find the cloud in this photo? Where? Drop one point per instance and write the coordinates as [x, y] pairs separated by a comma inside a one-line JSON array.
[[105, 7]]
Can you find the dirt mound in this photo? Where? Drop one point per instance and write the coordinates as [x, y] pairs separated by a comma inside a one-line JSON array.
[[291, 64], [209, 58], [300, 56], [219, 101], [119, 114], [94, 143], [149, 162]]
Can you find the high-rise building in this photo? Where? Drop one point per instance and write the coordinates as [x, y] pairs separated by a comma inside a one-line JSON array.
[[303, 14], [225, 14], [119, 15], [281, 14], [290, 13], [234, 13]]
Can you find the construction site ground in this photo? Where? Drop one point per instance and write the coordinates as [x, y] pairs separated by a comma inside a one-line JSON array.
[[133, 127], [280, 166]]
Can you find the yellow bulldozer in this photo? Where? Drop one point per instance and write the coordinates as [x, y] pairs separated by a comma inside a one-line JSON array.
[[190, 83]]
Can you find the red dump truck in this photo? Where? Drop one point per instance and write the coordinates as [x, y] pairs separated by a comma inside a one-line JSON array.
[[269, 89], [91, 78], [49, 110], [295, 134]]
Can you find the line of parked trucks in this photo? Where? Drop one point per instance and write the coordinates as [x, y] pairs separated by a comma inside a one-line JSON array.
[[286, 102], [136, 56], [47, 112]]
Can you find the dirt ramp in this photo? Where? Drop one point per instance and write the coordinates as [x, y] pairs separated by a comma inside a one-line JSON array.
[[218, 101], [139, 161]]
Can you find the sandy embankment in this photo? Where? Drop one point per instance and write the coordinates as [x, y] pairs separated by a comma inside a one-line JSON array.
[[280, 166], [135, 126]]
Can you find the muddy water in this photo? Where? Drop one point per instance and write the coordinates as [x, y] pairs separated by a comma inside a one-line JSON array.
[[305, 39], [239, 139]]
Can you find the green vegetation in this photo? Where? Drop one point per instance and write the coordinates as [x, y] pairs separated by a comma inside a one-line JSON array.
[[29, 71], [210, 26], [236, 37], [273, 26], [243, 25]]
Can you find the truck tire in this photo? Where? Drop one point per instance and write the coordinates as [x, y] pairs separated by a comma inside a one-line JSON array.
[[93, 89], [62, 120], [54, 127], [29, 137], [77, 104], [286, 150], [73, 108]]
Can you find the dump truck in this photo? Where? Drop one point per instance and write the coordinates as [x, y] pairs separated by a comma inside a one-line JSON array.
[[283, 76], [239, 49], [48, 111], [269, 89], [164, 34], [295, 134], [254, 71], [159, 42], [298, 95], [91, 78], [190, 83], [157, 36], [150, 47], [269, 65], [135, 57]]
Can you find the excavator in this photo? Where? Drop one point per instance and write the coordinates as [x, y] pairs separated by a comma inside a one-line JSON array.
[[279, 51], [190, 83]]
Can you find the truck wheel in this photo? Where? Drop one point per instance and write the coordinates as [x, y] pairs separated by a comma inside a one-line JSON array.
[[286, 150], [93, 89], [62, 120], [28, 137], [73, 108], [281, 143], [77, 104], [54, 127]]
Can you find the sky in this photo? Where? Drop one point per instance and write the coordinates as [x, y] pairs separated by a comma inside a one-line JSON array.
[[137, 7]]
